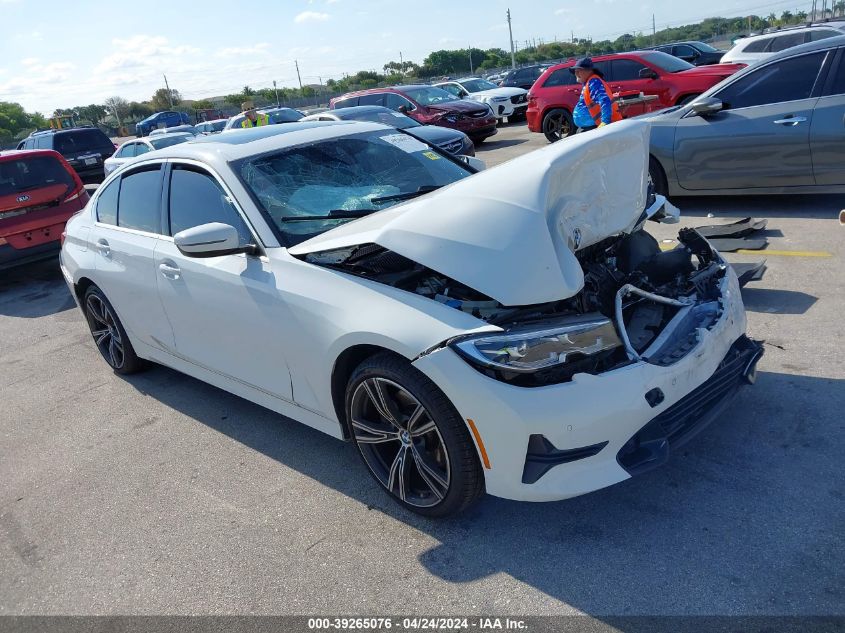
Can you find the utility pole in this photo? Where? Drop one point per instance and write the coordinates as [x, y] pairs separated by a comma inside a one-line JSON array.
[[510, 32], [401, 61], [653, 31], [169, 94], [278, 103], [470, 60], [297, 74]]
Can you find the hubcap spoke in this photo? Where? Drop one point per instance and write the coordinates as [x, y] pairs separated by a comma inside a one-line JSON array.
[[397, 479], [380, 401], [372, 434], [423, 428], [429, 473], [100, 336]]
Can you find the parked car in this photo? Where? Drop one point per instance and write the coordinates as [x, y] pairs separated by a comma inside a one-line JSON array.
[[462, 329], [168, 118], [211, 127], [189, 129], [775, 127], [139, 147], [39, 191], [505, 102], [277, 115], [753, 49], [674, 81], [430, 106], [449, 140], [523, 77], [696, 53], [83, 148]]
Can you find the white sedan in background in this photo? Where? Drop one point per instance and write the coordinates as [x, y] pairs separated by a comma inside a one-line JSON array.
[[514, 330], [138, 147], [504, 101]]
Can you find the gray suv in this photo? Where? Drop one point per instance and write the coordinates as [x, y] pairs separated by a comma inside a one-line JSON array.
[[774, 127]]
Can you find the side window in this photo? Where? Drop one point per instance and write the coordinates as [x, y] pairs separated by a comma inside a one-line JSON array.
[[107, 203], [838, 76], [393, 101], [196, 198], [604, 69], [787, 41], [821, 34], [138, 202], [560, 77], [758, 46], [43, 142], [686, 51], [141, 148], [374, 99], [453, 89], [127, 151], [625, 70], [788, 80]]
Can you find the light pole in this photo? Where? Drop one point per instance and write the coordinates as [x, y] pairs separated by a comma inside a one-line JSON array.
[[510, 31], [278, 104]]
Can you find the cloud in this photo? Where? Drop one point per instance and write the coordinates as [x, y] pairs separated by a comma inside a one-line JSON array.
[[311, 16], [29, 61], [257, 49], [137, 51], [564, 11]]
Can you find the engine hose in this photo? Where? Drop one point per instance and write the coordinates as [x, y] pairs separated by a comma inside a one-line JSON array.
[[620, 323]]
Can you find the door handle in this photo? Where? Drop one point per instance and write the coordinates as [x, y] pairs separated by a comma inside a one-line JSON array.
[[791, 121], [170, 272], [104, 248]]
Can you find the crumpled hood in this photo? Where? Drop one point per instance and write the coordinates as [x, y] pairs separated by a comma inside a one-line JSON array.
[[510, 232]]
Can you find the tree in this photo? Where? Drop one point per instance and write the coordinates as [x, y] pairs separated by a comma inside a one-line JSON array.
[[138, 110], [118, 106], [162, 100], [14, 120], [247, 91], [203, 104], [94, 113]]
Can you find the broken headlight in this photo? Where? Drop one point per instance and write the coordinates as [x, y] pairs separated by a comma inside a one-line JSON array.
[[545, 345]]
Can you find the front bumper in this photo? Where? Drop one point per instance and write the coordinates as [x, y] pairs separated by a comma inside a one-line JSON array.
[[605, 411]]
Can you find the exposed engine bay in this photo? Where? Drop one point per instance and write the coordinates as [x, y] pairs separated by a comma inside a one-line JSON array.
[[651, 302]]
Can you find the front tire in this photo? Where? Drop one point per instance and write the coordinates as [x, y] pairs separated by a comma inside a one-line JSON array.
[[109, 335], [411, 438], [657, 177], [557, 124]]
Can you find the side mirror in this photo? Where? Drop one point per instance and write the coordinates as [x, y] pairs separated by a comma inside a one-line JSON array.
[[211, 240], [709, 105], [403, 109], [648, 73], [476, 163]]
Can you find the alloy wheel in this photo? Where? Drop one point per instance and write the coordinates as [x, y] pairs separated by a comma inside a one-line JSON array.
[[105, 331], [400, 442]]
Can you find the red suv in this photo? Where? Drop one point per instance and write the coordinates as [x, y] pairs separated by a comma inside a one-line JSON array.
[[674, 81], [39, 191], [429, 106]]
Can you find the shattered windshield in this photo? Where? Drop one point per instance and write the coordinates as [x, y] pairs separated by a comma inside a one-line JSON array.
[[308, 189]]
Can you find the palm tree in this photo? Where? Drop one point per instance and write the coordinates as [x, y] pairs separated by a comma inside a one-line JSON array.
[[772, 19], [786, 17]]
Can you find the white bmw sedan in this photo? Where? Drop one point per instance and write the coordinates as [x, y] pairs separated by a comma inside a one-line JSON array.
[[514, 330]]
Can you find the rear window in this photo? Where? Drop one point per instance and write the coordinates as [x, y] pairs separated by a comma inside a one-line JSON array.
[[346, 103], [167, 141], [29, 174], [82, 141], [284, 116]]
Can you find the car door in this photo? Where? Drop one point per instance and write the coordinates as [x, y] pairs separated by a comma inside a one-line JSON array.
[[761, 138], [625, 76], [827, 132], [126, 230], [225, 311]]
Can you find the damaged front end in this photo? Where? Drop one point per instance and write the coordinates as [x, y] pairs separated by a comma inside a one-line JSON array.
[[637, 303]]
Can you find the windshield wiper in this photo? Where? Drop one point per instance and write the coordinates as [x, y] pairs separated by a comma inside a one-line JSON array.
[[334, 214], [406, 195]]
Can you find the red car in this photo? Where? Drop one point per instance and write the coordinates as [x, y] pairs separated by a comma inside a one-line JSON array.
[[39, 191], [428, 105], [674, 81]]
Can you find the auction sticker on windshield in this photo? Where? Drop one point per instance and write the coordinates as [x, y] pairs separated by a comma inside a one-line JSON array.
[[405, 143]]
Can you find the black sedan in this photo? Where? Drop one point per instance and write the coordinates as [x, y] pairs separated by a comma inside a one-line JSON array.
[[447, 139], [696, 53]]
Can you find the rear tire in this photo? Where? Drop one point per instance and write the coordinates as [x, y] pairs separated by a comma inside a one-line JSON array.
[[411, 438], [109, 335], [557, 124], [657, 177]]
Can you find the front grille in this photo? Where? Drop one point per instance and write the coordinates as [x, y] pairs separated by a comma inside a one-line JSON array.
[[453, 147], [650, 446], [523, 98]]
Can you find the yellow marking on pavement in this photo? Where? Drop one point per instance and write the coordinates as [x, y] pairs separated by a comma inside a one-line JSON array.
[[766, 252]]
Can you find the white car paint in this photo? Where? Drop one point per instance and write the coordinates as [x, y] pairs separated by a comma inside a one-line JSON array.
[[499, 99], [269, 328], [140, 146]]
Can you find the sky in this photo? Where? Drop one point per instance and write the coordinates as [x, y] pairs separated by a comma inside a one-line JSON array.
[[62, 54]]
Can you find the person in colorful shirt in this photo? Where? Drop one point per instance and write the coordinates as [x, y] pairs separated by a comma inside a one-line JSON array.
[[596, 107]]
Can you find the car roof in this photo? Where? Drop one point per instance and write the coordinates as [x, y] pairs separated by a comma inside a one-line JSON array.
[[346, 113], [820, 45], [13, 154], [838, 25], [241, 143]]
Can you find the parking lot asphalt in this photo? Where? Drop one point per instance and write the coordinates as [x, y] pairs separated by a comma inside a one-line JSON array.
[[156, 493]]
